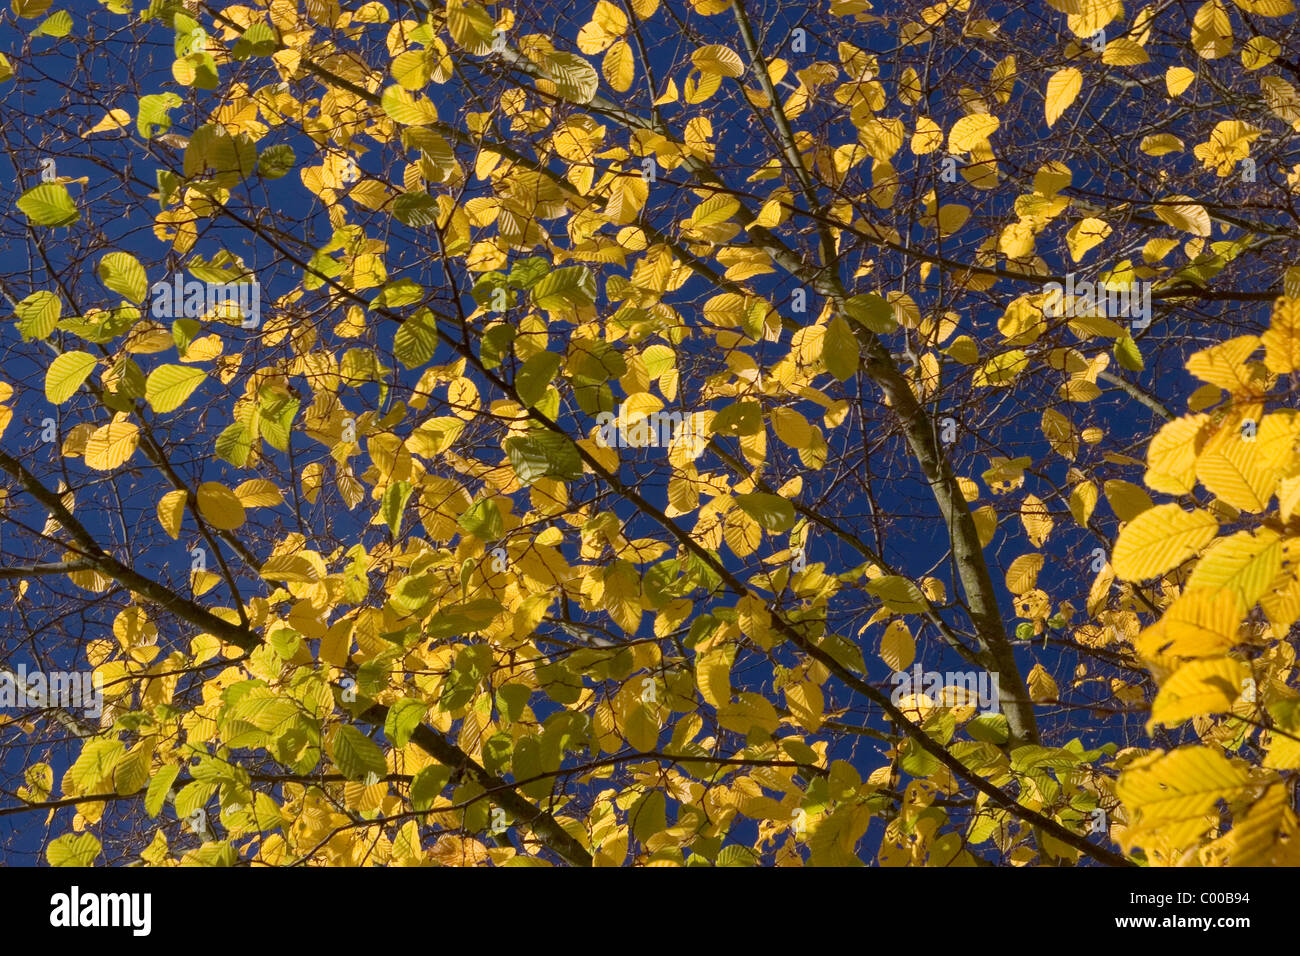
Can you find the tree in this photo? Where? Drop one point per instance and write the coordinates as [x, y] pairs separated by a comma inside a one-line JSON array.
[[650, 432]]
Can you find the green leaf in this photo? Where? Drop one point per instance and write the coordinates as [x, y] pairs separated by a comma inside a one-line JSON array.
[[57, 25], [416, 339], [871, 310], [223, 267], [162, 781], [743, 418], [569, 288], [235, 444], [737, 855], [95, 763], [773, 512], [427, 784], [403, 717], [65, 375], [394, 503], [49, 205], [258, 40], [840, 350], [525, 273], [275, 414], [38, 315], [543, 454], [153, 112], [276, 161], [184, 332], [535, 375], [415, 209], [170, 385], [898, 594], [168, 186], [122, 272], [231, 159], [398, 293], [483, 520], [990, 728], [106, 327], [1128, 355], [356, 755], [73, 849], [511, 700], [407, 108], [492, 292], [494, 346], [193, 796]]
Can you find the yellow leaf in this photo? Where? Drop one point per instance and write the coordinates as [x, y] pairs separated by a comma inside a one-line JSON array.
[[928, 136], [1160, 539], [1062, 88], [1171, 457], [201, 582], [292, 568], [113, 119], [1205, 686], [1232, 464], [1267, 836], [1160, 144], [806, 704], [1267, 8], [1200, 623], [1122, 51], [986, 524], [1259, 52], [112, 444], [258, 493], [171, 510], [1038, 523], [29, 8], [898, 594], [1177, 79], [1093, 15], [952, 217], [713, 674], [1183, 214], [619, 67], [1083, 500], [1283, 753], [970, 131], [1126, 499], [1022, 573], [1282, 340], [1212, 31], [470, 26], [1041, 685], [1242, 563], [623, 596], [791, 427], [897, 648], [608, 23], [219, 506], [1224, 364], [719, 60], [1174, 795], [1086, 234]]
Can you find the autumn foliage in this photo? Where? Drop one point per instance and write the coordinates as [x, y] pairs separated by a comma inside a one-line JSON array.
[[650, 432]]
